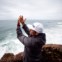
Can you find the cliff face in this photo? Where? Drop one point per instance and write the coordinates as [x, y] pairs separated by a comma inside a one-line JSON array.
[[50, 53]]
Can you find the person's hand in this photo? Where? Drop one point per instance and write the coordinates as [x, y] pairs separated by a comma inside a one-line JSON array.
[[19, 20], [22, 21]]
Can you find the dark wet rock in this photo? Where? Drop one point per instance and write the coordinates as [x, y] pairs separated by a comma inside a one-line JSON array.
[[18, 57], [8, 57]]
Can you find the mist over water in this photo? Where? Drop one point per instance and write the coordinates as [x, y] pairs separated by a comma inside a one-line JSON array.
[[8, 39]]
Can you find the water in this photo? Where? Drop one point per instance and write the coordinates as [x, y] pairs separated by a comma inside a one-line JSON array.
[[9, 42]]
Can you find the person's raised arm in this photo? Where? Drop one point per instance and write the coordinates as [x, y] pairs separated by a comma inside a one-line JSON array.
[[24, 26], [25, 40], [19, 31]]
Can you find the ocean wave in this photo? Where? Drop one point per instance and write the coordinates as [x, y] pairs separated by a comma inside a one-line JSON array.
[[11, 45], [54, 36]]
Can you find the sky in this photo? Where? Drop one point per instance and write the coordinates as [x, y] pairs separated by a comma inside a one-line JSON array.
[[31, 9]]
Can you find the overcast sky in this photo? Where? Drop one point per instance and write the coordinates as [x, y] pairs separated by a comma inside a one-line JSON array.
[[31, 9]]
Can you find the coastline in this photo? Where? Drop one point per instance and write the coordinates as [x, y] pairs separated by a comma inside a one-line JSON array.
[[50, 53]]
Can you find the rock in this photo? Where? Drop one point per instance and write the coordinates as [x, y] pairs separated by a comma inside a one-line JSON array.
[[18, 57], [50, 53], [8, 57]]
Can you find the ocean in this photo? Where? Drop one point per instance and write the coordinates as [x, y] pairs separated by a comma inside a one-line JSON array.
[[8, 39]]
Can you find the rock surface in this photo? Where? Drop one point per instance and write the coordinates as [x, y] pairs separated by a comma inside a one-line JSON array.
[[51, 53]]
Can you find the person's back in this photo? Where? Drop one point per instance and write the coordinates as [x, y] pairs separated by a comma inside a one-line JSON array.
[[33, 53]]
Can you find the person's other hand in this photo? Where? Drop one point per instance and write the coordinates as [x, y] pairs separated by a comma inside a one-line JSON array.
[[22, 21], [19, 20]]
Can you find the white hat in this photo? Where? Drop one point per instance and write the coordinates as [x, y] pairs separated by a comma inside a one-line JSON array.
[[38, 27]]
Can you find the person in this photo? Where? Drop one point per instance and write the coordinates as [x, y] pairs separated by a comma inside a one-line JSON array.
[[33, 42]]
